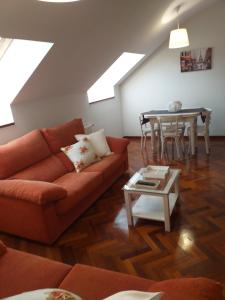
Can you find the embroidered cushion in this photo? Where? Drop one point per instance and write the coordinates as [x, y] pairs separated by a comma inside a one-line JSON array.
[[98, 141], [82, 154], [45, 294], [135, 295]]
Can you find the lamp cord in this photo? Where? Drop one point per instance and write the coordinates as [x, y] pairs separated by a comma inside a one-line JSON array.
[[178, 10]]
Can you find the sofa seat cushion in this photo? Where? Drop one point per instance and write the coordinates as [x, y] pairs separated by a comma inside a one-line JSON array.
[[20, 272], [107, 166], [48, 170], [22, 153], [63, 135], [92, 283], [189, 288], [78, 186]]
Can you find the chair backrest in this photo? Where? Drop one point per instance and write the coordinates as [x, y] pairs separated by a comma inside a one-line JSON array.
[[143, 120], [170, 124], [206, 115], [151, 123], [186, 117]]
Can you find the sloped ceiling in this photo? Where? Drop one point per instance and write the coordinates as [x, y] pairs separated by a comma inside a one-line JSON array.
[[88, 36]]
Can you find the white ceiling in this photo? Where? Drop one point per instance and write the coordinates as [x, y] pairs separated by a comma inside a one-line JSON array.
[[88, 35]]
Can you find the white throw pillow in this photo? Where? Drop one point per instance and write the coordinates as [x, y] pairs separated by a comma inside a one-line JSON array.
[[135, 295], [82, 154], [98, 141], [45, 294]]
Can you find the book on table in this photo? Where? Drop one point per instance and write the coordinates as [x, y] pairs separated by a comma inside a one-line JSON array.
[[153, 177], [149, 184], [156, 172]]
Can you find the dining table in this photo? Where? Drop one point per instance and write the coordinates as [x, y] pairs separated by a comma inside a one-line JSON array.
[[189, 115]]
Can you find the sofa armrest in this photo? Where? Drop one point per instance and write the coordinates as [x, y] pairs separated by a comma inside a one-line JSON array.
[[2, 248], [38, 192], [197, 288], [117, 145]]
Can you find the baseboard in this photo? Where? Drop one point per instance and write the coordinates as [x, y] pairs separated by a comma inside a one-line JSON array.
[[132, 137], [213, 137]]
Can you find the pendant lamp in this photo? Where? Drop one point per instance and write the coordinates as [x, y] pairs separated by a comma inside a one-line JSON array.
[[179, 36]]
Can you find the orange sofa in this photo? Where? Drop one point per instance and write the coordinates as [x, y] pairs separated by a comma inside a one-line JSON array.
[[40, 193], [21, 272]]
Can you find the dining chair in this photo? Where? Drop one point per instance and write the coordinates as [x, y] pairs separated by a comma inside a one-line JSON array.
[[172, 128], [202, 130], [147, 128]]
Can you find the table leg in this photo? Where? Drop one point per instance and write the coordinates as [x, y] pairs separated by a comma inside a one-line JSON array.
[[195, 131], [128, 208], [177, 188], [152, 135], [193, 135], [166, 212]]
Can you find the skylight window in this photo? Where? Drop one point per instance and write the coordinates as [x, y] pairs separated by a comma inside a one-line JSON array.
[[18, 60], [103, 88]]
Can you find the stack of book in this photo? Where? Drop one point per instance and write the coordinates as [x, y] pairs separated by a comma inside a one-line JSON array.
[[153, 177]]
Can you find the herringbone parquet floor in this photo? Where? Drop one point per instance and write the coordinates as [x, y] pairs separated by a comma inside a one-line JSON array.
[[194, 247]]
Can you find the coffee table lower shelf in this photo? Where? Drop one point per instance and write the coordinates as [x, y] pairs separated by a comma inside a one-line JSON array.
[[152, 207]]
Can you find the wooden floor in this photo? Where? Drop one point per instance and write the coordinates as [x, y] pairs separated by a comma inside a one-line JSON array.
[[194, 247]]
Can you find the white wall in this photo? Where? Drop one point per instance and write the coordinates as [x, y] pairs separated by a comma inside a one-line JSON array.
[[152, 85], [159, 80], [51, 112]]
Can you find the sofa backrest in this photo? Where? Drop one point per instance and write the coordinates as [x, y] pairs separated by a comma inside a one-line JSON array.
[[29, 157], [48, 169], [37, 155], [61, 136], [22, 153]]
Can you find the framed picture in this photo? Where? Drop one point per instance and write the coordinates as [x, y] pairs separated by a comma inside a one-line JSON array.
[[196, 60]]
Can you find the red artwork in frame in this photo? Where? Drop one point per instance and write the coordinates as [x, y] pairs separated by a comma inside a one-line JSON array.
[[196, 60]]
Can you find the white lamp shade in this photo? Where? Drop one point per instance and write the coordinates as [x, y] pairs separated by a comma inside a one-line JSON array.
[[178, 38]]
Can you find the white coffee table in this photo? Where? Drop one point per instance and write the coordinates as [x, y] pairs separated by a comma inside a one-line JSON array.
[[153, 204]]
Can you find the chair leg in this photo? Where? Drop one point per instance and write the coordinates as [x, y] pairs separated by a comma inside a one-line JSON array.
[[177, 147], [183, 145], [166, 150], [172, 147], [142, 142], [159, 141], [206, 143], [189, 144], [162, 147], [145, 137]]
